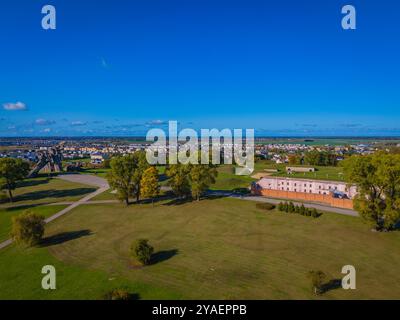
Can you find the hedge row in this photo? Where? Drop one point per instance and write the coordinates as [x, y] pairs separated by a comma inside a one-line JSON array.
[[289, 207]]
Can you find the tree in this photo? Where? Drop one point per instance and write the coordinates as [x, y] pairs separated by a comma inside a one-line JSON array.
[[11, 172], [142, 251], [27, 228], [312, 158], [126, 173], [201, 176], [294, 159], [149, 184], [179, 179], [121, 176], [141, 166], [317, 281], [377, 178]]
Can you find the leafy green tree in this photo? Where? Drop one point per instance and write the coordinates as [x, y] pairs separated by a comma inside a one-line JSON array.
[[377, 178], [121, 176], [11, 172], [201, 176], [312, 158], [142, 251], [179, 179], [126, 173], [27, 228], [149, 184]]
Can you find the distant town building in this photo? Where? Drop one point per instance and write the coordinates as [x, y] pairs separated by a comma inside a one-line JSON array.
[[98, 158], [299, 169]]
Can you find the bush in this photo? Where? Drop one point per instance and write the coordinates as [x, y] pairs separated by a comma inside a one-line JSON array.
[[27, 228], [142, 251], [317, 281], [265, 206], [290, 207], [117, 294]]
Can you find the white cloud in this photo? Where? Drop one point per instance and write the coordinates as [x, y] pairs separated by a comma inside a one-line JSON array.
[[78, 123], [14, 106], [47, 130], [104, 63], [157, 122], [44, 122]]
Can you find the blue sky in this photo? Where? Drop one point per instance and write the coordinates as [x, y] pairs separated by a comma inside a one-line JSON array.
[[119, 67]]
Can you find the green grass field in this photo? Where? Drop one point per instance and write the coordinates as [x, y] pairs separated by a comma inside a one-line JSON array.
[[44, 190], [321, 173], [7, 213], [227, 180], [212, 249]]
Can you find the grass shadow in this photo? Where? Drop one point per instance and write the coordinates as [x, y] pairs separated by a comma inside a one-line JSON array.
[[36, 195], [64, 237], [178, 201], [164, 255], [17, 208], [33, 182]]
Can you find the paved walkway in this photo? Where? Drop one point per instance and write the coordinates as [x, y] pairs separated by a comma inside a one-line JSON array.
[[86, 179], [103, 186]]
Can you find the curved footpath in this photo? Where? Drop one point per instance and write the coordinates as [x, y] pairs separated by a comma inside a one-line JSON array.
[[103, 186], [101, 183]]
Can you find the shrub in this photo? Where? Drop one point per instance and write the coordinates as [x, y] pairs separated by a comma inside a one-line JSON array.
[[117, 294], [291, 207], [315, 213], [286, 207], [27, 228], [265, 206], [317, 281], [142, 251], [302, 210]]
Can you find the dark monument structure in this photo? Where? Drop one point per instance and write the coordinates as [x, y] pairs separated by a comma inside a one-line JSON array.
[[49, 161]]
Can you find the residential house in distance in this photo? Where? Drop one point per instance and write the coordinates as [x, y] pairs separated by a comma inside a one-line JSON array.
[[98, 158], [333, 193], [299, 169]]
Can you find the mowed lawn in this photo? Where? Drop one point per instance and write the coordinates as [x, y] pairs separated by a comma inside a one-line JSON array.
[[6, 215], [212, 249], [43, 190], [321, 173]]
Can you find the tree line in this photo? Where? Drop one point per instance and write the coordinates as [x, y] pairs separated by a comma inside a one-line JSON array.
[[314, 158], [132, 176]]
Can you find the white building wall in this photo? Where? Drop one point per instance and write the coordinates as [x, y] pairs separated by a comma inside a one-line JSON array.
[[307, 186]]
